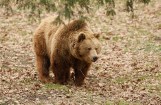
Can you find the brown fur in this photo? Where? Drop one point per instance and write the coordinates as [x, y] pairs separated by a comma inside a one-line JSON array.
[[62, 47]]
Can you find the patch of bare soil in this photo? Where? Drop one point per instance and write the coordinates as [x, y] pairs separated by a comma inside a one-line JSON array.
[[128, 72]]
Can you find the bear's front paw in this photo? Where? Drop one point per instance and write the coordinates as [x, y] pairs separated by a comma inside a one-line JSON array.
[[46, 80], [79, 83]]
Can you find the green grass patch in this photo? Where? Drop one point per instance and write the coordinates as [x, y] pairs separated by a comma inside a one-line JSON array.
[[108, 102], [120, 80], [116, 38], [51, 86], [159, 93], [149, 47], [23, 33], [27, 81], [123, 102], [159, 48], [158, 76], [154, 88], [152, 47], [143, 32], [159, 26]]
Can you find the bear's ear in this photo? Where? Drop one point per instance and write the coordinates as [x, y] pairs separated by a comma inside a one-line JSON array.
[[81, 37]]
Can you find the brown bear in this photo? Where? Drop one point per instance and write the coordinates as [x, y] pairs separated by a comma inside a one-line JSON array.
[[62, 47]]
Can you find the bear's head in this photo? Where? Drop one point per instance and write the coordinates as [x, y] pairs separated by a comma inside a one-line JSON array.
[[86, 47]]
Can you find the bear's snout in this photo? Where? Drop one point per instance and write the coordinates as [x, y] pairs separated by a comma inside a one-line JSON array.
[[94, 58]]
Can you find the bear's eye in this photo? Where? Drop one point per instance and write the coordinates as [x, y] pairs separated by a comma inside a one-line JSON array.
[[89, 48], [96, 48]]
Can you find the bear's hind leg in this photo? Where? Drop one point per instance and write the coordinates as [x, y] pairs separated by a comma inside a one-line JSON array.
[[43, 64]]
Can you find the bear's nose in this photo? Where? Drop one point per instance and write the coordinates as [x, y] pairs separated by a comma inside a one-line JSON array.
[[95, 58]]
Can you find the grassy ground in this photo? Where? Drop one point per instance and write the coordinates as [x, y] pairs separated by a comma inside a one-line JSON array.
[[128, 72]]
